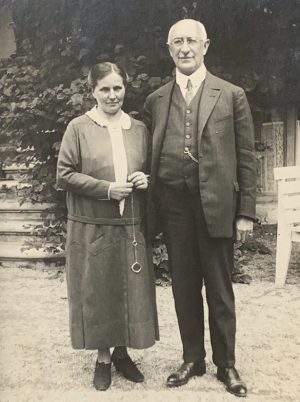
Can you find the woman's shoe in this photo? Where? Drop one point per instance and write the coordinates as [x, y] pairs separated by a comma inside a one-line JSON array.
[[126, 366], [102, 376]]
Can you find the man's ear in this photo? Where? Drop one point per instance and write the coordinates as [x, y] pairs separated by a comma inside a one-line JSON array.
[[206, 46]]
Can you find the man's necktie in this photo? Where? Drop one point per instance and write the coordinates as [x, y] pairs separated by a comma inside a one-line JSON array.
[[189, 92]]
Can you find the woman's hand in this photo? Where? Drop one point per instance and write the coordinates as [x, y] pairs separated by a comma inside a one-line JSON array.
[[139, 180], [118, 191]]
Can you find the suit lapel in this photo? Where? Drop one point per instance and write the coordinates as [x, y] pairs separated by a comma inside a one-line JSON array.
[[162, 113], [210, 95]]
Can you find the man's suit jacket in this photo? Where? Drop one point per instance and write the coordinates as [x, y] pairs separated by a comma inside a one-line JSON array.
[[227, 165]]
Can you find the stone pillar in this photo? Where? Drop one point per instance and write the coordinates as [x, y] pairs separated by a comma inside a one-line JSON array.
[[7, 36], [273, 139]]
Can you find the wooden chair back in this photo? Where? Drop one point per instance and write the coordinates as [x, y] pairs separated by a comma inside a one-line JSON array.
[[288, 231]]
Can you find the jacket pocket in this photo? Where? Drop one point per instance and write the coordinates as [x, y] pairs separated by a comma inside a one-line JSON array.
[[101, 240], [222, 118]]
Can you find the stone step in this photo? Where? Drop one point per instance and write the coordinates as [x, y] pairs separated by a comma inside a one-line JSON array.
[[24, 215], [55, 264], [14, 205], [8, 237], [15, 171], [10, 188], [13, 251], [11, 210], [10, 182], [18, 226]]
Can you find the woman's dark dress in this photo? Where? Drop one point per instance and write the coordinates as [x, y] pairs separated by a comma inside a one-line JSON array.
[[109, 304]]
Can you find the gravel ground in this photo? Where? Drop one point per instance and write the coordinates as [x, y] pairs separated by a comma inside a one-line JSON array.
[[37, 362]]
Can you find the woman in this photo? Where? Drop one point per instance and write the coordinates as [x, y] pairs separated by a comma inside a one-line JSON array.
[[111, 289]]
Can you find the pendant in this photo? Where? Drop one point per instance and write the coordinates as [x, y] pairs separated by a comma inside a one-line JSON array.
[[136, 267]]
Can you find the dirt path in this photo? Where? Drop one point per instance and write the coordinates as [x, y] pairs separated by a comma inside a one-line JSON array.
[[38, 364]]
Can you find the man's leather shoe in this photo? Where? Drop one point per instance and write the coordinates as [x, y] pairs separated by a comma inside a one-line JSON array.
[[230, 377], [185, 372], [102, 376], [126, 366]]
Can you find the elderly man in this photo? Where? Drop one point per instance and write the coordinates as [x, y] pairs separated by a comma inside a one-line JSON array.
[[202, 192]]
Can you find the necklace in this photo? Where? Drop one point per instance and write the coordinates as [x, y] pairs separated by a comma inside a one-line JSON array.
[[136, 266]]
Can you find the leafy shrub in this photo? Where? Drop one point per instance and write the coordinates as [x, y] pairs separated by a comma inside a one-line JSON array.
[[44, 86]]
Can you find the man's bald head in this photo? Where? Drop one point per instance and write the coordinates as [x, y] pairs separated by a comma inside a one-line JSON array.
[[188, 22]]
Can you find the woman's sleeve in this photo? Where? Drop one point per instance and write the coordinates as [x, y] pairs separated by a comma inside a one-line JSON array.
[[149, 153], [69, 177]]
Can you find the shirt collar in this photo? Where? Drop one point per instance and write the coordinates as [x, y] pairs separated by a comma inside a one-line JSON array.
[[93, 114], [196, 78]]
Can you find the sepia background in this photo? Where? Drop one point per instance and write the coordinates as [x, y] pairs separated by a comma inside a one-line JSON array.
[[46, 50]]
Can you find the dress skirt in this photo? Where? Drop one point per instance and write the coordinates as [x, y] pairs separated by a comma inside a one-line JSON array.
[[109, 304]]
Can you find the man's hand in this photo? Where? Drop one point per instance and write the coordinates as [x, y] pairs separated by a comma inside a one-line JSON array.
[[118, 191], [244, 227], [139, 180]]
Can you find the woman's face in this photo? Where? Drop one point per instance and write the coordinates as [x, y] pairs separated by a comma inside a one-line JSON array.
[[109, 93]]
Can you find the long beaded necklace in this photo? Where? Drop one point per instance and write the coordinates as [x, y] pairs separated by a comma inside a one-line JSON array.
[[136, 266]]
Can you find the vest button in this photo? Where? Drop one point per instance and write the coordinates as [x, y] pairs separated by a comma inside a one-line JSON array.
[[187, 136], [186, 148], [188, 111], [188, 124]]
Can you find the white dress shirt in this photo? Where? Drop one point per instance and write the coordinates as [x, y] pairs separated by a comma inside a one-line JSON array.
[[196, 79], [117, 144]]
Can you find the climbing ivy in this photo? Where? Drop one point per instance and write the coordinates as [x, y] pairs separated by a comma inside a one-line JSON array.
[[44, 84]]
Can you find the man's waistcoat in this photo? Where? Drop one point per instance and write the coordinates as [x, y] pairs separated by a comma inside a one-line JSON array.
[[176, 167]]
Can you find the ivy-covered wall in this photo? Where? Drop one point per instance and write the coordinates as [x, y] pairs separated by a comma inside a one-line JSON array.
[[254, 44]]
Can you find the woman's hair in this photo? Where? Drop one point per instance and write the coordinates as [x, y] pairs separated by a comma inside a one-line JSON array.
[[101, 70]]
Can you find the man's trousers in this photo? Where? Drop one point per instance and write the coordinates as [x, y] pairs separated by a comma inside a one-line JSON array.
[[196, 258]]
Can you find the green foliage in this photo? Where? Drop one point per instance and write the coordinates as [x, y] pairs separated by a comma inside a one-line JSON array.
[[43, 85], [161, 262]]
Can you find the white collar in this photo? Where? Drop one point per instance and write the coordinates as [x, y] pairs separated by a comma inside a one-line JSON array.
[[196, 78], [124, 121]]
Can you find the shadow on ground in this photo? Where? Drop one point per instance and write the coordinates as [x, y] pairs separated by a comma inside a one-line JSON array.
[[37, 362]]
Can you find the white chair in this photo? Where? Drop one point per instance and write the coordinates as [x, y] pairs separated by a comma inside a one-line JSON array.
[[288, 217]]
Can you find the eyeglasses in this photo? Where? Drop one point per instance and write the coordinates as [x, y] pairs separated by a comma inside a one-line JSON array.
[[178, 42]]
